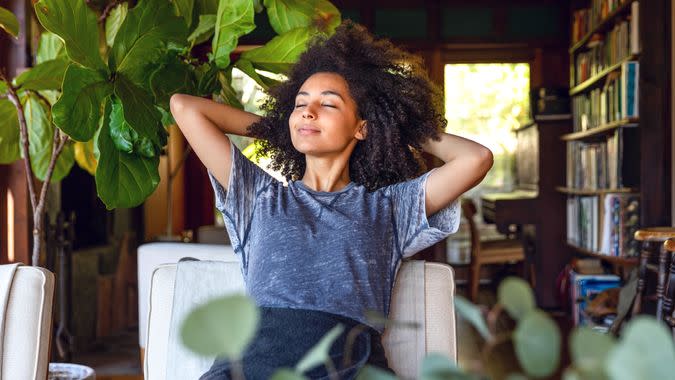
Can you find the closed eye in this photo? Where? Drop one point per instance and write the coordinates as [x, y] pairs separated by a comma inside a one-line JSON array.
[[300, 105]]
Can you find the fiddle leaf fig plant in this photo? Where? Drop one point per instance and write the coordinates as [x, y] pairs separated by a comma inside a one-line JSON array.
[[98, 92]]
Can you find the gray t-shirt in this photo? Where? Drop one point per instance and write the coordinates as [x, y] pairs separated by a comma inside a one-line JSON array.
[[336, 252]]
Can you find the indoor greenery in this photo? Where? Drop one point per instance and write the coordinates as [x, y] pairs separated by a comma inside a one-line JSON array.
[[645, 349], [98, 93]]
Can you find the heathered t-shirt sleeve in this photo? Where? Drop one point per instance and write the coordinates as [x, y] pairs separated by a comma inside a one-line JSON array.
[[414, 231], [237, 203]]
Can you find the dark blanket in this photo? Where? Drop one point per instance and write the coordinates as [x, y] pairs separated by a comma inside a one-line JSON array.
[[284, 337]]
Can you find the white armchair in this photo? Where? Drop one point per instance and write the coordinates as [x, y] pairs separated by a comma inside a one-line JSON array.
[[27, 294], [423, 293]]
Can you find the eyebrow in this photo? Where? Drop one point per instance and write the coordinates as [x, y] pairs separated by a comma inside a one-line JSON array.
[[327, 92]]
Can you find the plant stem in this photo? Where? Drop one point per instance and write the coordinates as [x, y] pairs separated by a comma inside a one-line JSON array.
[[237, 370], [23, 129]]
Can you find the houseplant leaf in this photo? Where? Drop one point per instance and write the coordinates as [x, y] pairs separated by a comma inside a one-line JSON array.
[[280, 53], [204, 30], [8, 22], [589, 351], [170, 78], [77, 25], [42, 144], [78, 110], [122, 179], [50, 47], [143, 37], [85, 157], [537, 344], [516, 296], [473, 315], [318, 354], [139, 110], [247, 68], [9, 133], [224, 326], [233, 20], [184, 9], [285, 15], [114, 21], [47, 75]]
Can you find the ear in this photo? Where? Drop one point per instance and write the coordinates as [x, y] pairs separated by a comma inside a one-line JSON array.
[[362, 131]]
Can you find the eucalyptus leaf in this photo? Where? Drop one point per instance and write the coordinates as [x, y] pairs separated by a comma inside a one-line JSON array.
[[439, 367], [287, 374], [122, 179], [9, 22], [320, 353], [85, 157], [114, 21], [589, 351], [47, 75], [280, 53], [285, 15], [144, 37], [473, 315], [233, 20], [78, 110], [184, 9], [139, 110], [537, 344], [369, 372], [516, 376], [77, 25], [204, 30], [10, 138], [646, 351], [516, 296], [222, 327], [42, 143], [50, 47]]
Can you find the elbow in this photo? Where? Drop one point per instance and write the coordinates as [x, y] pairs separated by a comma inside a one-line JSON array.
[[176, 104], [485, 159]]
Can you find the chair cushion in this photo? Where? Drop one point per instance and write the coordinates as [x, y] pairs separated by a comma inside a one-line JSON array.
[[28, 322]]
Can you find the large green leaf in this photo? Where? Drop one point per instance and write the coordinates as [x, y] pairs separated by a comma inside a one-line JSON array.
[[224, 326], [320, 353], [646, 351], [41, 138], [170, 78], [78, 110], [537, 344], [516, 296], [44, 76], [228, 93], [123, 179], [206, 76], [77, 25], [125, 138], [8, 22], [285, 15], [207, 6], [204, 29], [3, 87], [247, 68], [9, 133], [143, 38], [280, 53], [85, 157], [139, 110], [184, 9], [233, 20], [50, 47], [114, 21]]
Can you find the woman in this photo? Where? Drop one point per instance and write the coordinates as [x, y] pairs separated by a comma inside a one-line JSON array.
[[346, 130]]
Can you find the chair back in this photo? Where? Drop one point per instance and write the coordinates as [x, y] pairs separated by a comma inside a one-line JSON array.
[[469, 210], [27, 322], [423, 294]]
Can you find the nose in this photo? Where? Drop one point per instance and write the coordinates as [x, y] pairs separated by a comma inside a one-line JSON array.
[[308, 112]]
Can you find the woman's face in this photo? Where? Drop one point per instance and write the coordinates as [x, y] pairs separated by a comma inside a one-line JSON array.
[[324, 120]]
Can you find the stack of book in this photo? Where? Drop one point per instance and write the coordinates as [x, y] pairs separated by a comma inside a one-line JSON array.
[[584, 287]]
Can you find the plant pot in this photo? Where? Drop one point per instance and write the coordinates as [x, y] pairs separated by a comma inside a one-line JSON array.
[[69, 371]]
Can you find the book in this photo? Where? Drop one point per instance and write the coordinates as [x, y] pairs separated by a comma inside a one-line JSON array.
[[584, 288], [630, 76]]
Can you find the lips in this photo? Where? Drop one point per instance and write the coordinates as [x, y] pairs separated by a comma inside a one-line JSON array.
[[306, 130]]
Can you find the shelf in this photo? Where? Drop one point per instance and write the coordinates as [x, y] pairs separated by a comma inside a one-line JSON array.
[[600, 130], [567, 190], [626, 261], [602, 27], [598, 77]]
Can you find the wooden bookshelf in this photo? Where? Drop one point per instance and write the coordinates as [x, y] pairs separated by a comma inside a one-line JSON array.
[[570, 191], [602, 27], [601, 75], [622, 261], [601, 130]]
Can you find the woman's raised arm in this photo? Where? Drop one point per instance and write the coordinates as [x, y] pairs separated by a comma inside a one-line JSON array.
[[204, 124]]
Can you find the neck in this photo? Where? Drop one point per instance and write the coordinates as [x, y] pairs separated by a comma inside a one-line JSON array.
[[326, 173]]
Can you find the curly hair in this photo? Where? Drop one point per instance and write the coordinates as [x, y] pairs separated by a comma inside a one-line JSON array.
[[392, 91]]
